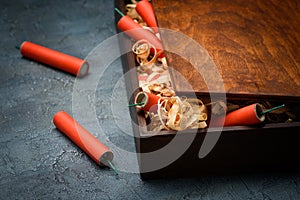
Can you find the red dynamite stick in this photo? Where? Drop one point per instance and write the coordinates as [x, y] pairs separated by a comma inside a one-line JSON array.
[[146, 11], [150, 101], [136, 31], [64, 62], [83, 138], [249, 115]]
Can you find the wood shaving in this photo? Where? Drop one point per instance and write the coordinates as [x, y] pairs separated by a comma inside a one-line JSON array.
[[178, 114]]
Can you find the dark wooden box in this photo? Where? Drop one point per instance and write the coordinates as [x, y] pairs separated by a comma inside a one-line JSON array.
[[255, 45]]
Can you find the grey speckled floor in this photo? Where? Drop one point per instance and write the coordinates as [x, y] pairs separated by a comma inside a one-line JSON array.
[[37, 161]]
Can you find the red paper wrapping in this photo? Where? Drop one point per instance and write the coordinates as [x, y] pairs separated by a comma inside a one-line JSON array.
[[82, 138], [249, 115], [145, 10], [64, 62], [150, 100]]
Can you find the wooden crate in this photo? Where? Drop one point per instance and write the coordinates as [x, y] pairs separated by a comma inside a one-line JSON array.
[[255, 45]]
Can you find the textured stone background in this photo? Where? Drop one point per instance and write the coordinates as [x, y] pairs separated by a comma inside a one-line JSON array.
[[37, 161]]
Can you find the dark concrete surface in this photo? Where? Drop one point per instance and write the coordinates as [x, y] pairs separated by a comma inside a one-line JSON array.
[[37, 161]]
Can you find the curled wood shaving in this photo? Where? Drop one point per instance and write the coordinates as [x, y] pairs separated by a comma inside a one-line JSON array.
[[161, 89], [141, 49], [178, 114]]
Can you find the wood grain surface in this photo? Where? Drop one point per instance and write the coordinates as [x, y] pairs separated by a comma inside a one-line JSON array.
[[255, 44]]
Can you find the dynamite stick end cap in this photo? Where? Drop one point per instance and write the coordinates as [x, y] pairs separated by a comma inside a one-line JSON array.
[[84, 69], [105, 160], [105, 157], [57, 115], [141, 97], [258, 110]]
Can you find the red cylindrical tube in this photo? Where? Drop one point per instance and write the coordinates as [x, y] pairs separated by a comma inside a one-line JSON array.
[[146, 11], [150, 101], [136, 31], [82, 138], [64, 62], [249, 115]]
